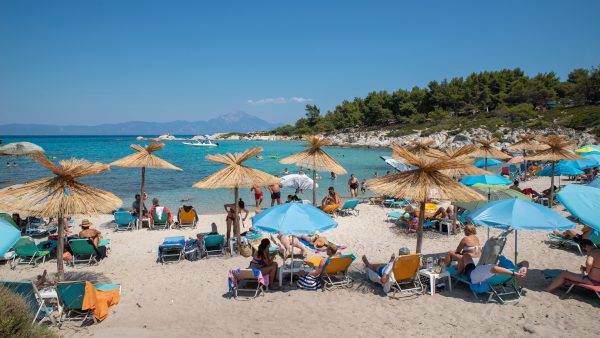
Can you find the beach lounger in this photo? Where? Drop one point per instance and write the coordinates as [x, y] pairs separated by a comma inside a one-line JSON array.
[[77, 306], [335, 274], [313, 248], [187, 218], [394, 203], [247, 283], [406, 275], [29, 292], [594, 288], [28, 253], [84, 251], [349, 208], [160, 222], [213, 245], [124, 221], [171, 250]]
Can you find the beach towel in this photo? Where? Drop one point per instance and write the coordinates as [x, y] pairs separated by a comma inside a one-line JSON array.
[[310, 246], [159, 211], [99, 300], [233, 273]]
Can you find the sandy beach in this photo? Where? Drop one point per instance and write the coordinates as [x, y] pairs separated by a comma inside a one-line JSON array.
[[191, 298]]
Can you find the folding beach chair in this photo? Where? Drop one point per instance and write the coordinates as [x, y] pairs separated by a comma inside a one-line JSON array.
[[28, 253], [349, 208], [31, 295], [161, 222], [335, 274], [406, 275], [84, 251], [71, 296], [569, 242], [213, 245], [594, 288], [124, 220], [171, 250], [187, 219], [248, 283]]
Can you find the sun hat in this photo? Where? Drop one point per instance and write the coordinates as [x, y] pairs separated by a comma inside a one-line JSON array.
[[321, 242], [404, 251], [85, 223]]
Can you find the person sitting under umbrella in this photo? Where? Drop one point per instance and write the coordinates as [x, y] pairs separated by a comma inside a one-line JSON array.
[[263, 261], [312, 280], [590, 273], [94, 236], [289, 245], [481, 273], [468, 245], [136, 207]]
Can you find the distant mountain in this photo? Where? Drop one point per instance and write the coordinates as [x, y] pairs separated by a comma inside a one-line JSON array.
[[234, 122]]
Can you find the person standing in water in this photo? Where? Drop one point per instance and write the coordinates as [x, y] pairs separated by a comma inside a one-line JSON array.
[[353, 186], [258, 195]]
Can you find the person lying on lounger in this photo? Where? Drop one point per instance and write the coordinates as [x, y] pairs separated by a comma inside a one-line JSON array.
[[481, 273], [262, 261], [590, 272], [447, 213], [574, 236], [382, 270], [288, 243], [469, 244]]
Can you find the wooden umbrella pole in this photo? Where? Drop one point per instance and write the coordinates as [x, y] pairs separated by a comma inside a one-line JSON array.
[[60, 268], [551, 187], [420, 226], [314, 182], [236, 222], [141, 211]]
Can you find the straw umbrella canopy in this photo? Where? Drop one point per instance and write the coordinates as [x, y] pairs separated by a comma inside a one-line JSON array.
[[236, 176], [462, 153], [486, 150], [526, 143], [557, 148], [144, 158], [315, 158], [423, 147], [20, 149], [426, 181], [60, 195]]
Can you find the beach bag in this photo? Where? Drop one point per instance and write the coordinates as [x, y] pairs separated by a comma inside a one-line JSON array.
[[192, 250], [310, 283]]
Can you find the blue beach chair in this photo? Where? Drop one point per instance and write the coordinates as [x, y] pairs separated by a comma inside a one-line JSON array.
[[71, 295], [171, 250], [123, 221], [213, 245], [349, 208]]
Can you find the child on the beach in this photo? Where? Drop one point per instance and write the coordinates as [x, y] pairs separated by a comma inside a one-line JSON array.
[[363, 186]]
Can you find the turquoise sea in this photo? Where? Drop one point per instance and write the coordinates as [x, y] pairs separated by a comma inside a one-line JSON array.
[[172, 186]]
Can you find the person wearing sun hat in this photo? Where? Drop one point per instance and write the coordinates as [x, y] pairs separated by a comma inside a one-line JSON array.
[[93, 235]]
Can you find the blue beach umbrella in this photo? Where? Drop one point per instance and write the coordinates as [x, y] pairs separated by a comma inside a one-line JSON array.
[[594, 155], [485, 179], [8, 236], [582, 164], [582, 202], [518, 214], [490, 162], [399, 166], [560, 169], [293, 219]]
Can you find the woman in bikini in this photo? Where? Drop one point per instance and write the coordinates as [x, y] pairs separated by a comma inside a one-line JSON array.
[[262, 261], [230, 208], [468, 244], [590, 273]]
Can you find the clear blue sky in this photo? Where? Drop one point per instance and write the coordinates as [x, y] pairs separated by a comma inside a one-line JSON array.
[[89, 62]]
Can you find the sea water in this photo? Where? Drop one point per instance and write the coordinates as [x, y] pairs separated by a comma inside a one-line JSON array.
[[171, 187]]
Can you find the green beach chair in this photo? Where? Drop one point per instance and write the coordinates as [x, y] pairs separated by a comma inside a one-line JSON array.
[[31, 295], [123, 221], [160, 222], [70, 296], [28, 253], [213, 245], [84, 251]]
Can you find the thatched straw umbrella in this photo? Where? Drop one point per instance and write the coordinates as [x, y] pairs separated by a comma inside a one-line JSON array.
[[525, 144], [143, 158], [60, 195], [236, 176], [486, 150], [316, 159], [557, 148], [20, 149], [462, 153], [423, 147], [426, 181]]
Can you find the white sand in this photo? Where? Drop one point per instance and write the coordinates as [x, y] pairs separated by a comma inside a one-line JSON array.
[[190, 298]]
